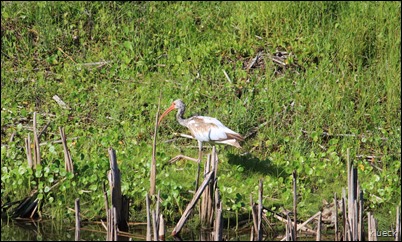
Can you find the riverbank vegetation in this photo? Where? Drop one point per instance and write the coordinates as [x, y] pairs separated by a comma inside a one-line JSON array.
[[302, 81]]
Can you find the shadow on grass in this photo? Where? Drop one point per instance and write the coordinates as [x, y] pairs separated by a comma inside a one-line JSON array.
[[252, 164]]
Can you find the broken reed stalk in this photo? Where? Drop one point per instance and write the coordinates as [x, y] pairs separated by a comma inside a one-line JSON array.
[[289, 228], [372, 227], [148, 237], [111, 234], [154, 225], [37, 158], [67, 157], [336, 217], [117, 199], [152, 188], [318, 237], [106, 197], [360, 228], [205, 196], [218, 216], [161, 228], [254, 212], [77, 219], [398, 225], [190, 206], [259, 215], [295, 205], [28, 151], [344, 217]]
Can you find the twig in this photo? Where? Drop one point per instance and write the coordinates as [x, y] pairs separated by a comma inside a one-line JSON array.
[[66, 55], [254, 60], [58, 141], [60, 102], [95, 63], [227, 76], [43, 130]]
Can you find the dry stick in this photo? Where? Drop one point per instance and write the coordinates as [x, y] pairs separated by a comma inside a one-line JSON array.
[[152, 188], [254, 214], [60, 102], [190, 206], [302, 226], [294, 205], [259, 216], [154, 225], [106, 198], [115, 223], [77, 219], [350, 194], [107, 224], [218, 216], [336, 217], [115, 187], [213, 185], [374, 228], [57, 141], [148, 238], [205, 195], [318, 237], [66, 55], [28, 151], [36, 143], [398, 225], [12, 137], [307, 221], [355, 210], [287, 237], [161, 231], [344, 218], [360, 223], [290, 231], [252, 233], [355, 217], [44, 129], [370, 235], [227, 76], [67, 157], [157, 211]]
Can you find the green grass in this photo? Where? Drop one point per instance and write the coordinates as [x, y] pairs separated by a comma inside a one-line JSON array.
[[344, 79]]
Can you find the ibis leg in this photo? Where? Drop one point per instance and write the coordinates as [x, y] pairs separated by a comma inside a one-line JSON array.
[[199, 164]]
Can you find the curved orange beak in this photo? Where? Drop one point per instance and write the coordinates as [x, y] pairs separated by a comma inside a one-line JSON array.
[[166, 112]]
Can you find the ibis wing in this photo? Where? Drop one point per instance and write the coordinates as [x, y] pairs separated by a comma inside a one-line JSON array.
[[210, 129]]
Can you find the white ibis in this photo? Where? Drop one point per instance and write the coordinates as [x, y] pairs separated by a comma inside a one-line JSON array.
[[203, 129]]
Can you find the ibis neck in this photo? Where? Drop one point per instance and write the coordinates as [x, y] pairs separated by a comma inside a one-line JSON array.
[[179, 116]]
